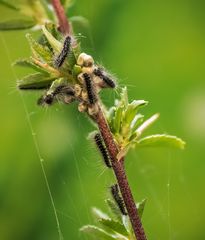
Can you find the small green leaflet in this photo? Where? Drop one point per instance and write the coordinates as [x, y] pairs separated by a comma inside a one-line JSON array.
[[99, 214], [35, 81], [8, 5], [55, 44], [17, 24], [161, 140], [97, 232], [114, 226], [132, 109], [29, 64], [114, 209], [140, 207], [39, 50]]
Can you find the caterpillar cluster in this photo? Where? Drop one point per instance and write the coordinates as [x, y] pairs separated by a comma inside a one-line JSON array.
[[102, 149], [91, 79], [118, 199]]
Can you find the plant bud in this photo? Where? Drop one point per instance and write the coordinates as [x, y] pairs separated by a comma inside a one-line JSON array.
[[85, 60], [82, 107]]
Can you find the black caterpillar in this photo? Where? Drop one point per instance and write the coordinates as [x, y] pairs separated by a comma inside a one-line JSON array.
[[90, 89], [49, 98], [108, 81], [101, 147], [118, 199], [64, 53]]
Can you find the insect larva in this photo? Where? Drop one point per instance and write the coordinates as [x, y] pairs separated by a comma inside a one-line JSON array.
[[118, 199], [62, 89], [64, 52], [90, 89], [48, 98], [108, 81], [101, 147]]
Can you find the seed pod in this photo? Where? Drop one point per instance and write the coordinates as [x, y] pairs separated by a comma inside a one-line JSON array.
[[77, 89], [85, 60], [93, 110], [84, 95], [82, 107]]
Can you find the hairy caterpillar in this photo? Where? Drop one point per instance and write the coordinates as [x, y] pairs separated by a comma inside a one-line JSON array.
[[108, 81], [90, 89], [49, 97], [118, 199], [101, 147], [64, 52]]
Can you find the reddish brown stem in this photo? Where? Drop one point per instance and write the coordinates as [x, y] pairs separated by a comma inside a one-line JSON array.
[[118, 168], [62, 19]]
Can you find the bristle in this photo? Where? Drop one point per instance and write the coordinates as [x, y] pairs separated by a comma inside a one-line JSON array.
[[90, 89], [101, 147], [64, 53], [118, 199], [108, 81]]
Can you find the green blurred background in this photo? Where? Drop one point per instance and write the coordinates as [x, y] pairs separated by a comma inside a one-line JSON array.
[[157, 49]]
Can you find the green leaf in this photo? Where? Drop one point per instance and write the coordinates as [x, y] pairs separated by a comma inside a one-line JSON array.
[[146, 124], [8, 5], [17, 24], [29, 64], [140, 207], [128, 225], [114, 226], [114, 209], [124, 97], [118, 119], [99, 214], [132, 109], [55, 44], [35, 81], [39, 50], [138, 119], [161, 140], [97, 232]]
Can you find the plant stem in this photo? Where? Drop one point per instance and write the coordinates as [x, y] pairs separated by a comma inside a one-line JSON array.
[[62, 19], [118, 168]]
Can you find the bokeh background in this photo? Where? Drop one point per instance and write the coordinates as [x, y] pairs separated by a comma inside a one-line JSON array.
[[157, 49]]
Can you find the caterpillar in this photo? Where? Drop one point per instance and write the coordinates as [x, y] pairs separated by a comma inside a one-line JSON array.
[[90, 89], [108, 81], [101, 147], [48, 98], [118, 199], [64, 52]]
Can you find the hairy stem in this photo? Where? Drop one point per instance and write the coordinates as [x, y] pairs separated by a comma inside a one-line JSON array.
[[118, 168], [62, 19]]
